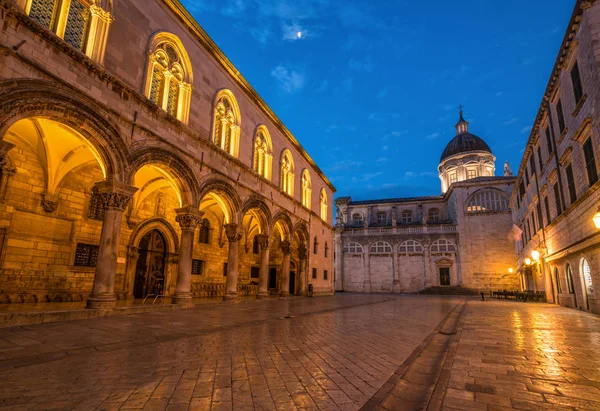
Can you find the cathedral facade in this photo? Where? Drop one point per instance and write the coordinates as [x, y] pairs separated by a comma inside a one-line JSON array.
[[135, 159], [459, 238]]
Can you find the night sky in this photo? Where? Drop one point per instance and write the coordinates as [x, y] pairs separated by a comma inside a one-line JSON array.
[[371, 88]]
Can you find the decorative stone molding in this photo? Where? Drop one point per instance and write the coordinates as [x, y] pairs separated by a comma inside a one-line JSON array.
[[263, 241], [103, 15], [5, 147], [115, 195], [302, 253], [133, 253], [50, 203], [188, 218], [286, 248], [233, 233]]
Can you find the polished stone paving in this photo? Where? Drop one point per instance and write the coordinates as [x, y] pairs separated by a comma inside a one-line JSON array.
[[301, 353]]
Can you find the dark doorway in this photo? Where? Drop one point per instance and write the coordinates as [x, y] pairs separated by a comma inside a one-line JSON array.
[[292, 283], [150, 268], [273, 278], [444, 275]]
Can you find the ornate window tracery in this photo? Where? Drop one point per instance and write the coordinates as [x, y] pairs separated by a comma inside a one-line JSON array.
[[487, 200], [381, 247], [306, 189], [263, 157], [287, 172], [169, 76], [226, 123], [443, 246], [323, 202], [353, 248], [410, 246]]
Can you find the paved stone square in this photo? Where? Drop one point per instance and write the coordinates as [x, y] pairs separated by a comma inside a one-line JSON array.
[[325, 353]]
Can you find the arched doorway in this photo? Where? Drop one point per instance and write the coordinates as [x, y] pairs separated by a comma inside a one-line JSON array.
[[150, 268], [586, 282]]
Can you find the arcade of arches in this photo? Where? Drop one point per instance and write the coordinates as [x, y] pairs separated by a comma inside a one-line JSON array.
[[71, 227]]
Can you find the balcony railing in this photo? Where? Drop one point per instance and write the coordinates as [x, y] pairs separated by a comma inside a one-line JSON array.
[[418, 229]]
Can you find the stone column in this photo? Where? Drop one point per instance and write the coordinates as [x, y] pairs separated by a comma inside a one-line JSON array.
[[427, 281], [303, 256], [115, 196], [396, 272], [234, 235], [339, 258], [284, 283], [263, 276], [188, 219]]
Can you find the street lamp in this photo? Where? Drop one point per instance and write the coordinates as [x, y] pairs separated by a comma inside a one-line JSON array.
[[535, 254], [597, 218], [527, 261], [510, 270]]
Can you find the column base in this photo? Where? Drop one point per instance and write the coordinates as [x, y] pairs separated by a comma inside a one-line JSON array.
[[230, 296], [103, 301], [262, 296], [284, 294], [182, 298]]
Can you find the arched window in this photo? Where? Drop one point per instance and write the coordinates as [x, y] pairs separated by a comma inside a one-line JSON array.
[[557, 280], [410, 246], [487, 200], [326, 249], [443, 246], [434, 215], [204, 236], [406, 217], [570, 284], [306, 189], [381, 247], [353, 248], [357, 219], [382, 218], [226, 123], [323, 202], [587, 277], [263, 153], [315, 246], [287, 172], [170, 76], [96, 207], [81, 23]]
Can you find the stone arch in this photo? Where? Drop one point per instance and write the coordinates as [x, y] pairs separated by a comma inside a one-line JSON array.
[[166, 37], [23, 98], [264, 213], [159, 224], [301, 230], [283, 218], [225, 191], [185, 179]]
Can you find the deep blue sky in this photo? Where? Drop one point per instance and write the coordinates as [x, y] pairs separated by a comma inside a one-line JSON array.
[[370, 89]]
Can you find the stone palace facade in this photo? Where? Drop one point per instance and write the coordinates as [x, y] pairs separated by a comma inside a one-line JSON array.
[[459, 238], [135, 160], [557, 193]]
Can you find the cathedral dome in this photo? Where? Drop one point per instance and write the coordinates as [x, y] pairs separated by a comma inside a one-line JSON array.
[[464, 143]]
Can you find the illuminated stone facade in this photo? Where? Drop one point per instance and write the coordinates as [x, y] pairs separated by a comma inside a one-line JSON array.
[[136, 159], [557, 190], [459, 238]]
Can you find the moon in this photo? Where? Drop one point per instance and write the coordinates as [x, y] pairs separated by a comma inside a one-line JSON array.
[[299, 34]]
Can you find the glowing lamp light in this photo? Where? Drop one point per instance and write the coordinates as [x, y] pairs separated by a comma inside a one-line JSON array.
[[527, 261], [510, 270], [535, 254], [299, 34], [597, 218]]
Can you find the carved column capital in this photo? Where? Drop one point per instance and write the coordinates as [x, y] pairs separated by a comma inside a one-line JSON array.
[[233, 233], [286, 248], [50, 203], [263, 241], [115, 195], [303, 252], [188, 217]]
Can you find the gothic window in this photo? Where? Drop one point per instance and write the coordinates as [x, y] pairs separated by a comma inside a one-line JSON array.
[[204, 236], [443, 246], [381, 247], [406, 217], [323, 203], [382, 218], [169, 76], [96, 207], [262, 153], [353, 248], [226, 124], [306, 189], [287, 172], [315, 246], [357, 219], [68, 19], [326, 250], [410, 246], [434, 215], [487, 200]]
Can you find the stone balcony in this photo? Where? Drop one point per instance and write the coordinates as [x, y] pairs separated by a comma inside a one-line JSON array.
[[409, 230]]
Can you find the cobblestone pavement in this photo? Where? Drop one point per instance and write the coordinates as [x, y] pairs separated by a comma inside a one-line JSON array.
[[332, 353], [523, 356]]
